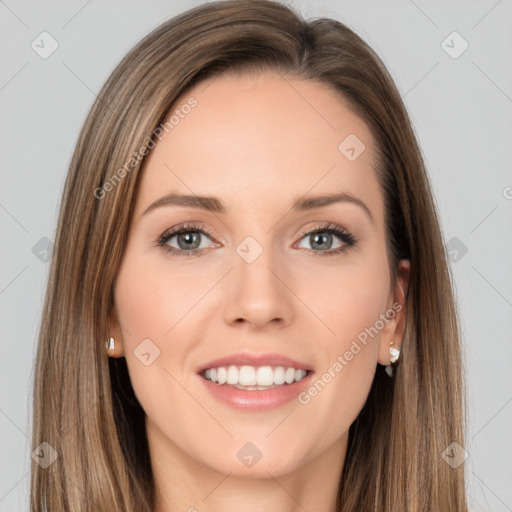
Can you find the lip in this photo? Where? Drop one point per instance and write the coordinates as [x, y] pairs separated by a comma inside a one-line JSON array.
[[246, 358], [256, 400]]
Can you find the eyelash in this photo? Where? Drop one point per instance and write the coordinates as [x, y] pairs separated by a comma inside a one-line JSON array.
[[347, 238]]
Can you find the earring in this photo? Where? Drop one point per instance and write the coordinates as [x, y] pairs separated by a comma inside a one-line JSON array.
[[110, 344], [394, 354]]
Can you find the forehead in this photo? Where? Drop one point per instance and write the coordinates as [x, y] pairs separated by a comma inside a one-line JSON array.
[[259, 140]]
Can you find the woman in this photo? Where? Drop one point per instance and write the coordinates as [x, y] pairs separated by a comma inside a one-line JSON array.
[[247, 222]]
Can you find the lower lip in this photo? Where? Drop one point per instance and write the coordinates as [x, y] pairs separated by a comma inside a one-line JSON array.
[[257, 400]]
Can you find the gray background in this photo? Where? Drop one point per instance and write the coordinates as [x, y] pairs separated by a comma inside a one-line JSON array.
[[461, 110]]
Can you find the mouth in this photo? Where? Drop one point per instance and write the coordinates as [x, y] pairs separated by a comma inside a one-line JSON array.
[[255, 387], [254, 378]]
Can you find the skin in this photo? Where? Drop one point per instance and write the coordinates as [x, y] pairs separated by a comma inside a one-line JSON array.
[[257, 142]]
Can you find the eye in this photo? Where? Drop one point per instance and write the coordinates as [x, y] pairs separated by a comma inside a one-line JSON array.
[[186, 240], [321, 239]]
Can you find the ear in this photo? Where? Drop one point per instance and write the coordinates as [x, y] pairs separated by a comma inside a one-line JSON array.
[[115, 331], [394, 329]]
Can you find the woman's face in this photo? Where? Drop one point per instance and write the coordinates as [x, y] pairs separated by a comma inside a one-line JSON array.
[[249, 276]]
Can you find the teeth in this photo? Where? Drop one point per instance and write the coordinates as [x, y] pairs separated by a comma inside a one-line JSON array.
[[232, 375], [251, 377], [246, 376], [264, 376], [221, 375]]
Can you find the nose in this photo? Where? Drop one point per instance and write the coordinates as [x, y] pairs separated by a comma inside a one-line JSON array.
[[258, 294]]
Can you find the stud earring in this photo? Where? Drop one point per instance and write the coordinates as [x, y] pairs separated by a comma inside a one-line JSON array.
[[394, 354], [110, 344]]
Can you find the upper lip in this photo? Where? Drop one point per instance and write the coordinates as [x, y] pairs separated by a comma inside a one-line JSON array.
[[256, 360]]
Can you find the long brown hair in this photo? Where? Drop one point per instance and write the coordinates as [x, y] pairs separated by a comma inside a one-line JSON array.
[[84, 405]]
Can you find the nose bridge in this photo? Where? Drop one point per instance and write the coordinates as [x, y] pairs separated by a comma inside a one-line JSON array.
[[257, 293]]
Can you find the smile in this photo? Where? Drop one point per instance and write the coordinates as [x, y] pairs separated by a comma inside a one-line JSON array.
[[254, 389], [252, 377]]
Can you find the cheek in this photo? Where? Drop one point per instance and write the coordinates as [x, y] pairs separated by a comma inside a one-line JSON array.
[[347, 299], [349, 358], [151, 298], [149, 303], [348, 346]]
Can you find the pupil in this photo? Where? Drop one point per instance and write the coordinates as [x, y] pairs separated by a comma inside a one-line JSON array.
[[188, 238], [326, 237]]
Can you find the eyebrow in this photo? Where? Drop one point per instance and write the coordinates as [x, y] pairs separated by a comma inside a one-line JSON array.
[[213, 204]]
